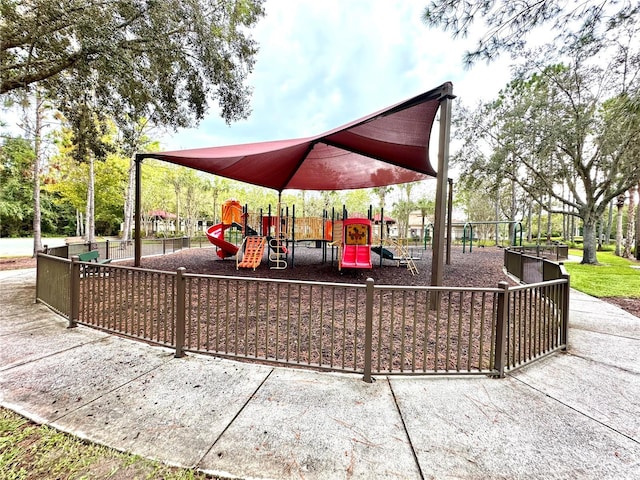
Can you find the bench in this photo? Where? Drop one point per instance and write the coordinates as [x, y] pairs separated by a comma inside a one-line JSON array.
[[93, 256]]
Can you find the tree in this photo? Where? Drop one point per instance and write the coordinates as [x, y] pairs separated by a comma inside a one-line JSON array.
[[619, 232], [70, 181], [358, 201], [403, 207], [16, 173], [509, 23], [576, 125], [162, 60], [381, 193], [427, 207], [133, 139], [637, 244], [34, 107], [630, 223]]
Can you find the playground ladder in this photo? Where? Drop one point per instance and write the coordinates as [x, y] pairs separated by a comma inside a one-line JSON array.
[[253, 248], [277, 254], [404, 256]]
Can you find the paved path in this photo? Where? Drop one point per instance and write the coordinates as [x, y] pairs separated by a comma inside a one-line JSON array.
[[571, 415]]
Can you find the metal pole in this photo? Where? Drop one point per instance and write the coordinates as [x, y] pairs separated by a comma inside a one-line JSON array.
[[501, 329], [74, 291], [564, 332], [449, 222], [137, 214], [180, 312], [368, 332], [437, 263]]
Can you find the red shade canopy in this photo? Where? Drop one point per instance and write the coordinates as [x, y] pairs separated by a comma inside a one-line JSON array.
[[385, 148]]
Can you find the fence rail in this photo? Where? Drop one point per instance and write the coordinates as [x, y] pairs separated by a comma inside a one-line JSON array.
[[122, 250], [364, 328], [553, 251]]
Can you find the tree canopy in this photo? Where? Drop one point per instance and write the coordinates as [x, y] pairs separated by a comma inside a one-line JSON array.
[[562, 128], [156, 59], [509, 23]]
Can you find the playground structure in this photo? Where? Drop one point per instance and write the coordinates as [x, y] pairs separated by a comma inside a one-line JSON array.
[[351, 240], [396, 251], [468, 235], [252, 252], [231, 215]]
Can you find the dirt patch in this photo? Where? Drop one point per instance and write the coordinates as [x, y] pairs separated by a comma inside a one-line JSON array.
[[631, 305], [17, 263]]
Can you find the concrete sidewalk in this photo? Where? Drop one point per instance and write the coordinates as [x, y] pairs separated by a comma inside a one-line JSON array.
[[570, 415]]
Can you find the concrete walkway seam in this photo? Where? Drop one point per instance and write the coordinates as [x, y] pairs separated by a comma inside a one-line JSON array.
[[406, 430], [584, 414], [49, 355], [240, 410], [106, 393]]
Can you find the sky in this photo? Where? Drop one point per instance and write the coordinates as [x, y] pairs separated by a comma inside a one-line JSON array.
[[325, 63]]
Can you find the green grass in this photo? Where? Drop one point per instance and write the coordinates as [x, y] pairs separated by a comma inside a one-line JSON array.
[[31, 451], [614, 277]]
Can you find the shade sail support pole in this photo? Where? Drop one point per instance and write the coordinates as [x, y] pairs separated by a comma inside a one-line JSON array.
[[137, 252], [449, 221], [437, 263]]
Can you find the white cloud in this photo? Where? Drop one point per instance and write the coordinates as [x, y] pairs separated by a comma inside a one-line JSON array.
[[324, 63]]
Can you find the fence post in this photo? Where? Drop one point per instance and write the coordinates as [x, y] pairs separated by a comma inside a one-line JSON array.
[[106, 248], [180, 312], [564, 331], [368, 331], [521, 266], [501, 329], [74, 291]]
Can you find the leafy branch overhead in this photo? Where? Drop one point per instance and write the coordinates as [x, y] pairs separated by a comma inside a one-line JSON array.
[[161, 59], [507, 24]]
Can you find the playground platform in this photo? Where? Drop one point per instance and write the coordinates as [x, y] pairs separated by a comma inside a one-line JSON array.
[[570, 415]]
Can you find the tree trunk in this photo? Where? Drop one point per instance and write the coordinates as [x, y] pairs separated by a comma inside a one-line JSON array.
[[549, 232], [607, 240], [89, 219], [637, 245], [37, 144], [539, 220], [600, 233], [128, 202], [620, 205], [79, 224], [589, 241], [630, 223], [530, 220]]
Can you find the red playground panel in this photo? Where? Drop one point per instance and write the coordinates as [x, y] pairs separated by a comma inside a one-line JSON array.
[[356, 244]]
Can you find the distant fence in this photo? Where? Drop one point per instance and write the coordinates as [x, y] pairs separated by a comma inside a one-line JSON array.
[[364, 328], [122, 250], [552, 251]]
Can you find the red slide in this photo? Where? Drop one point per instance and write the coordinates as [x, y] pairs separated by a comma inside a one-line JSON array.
[[356, 256], [215, 234]]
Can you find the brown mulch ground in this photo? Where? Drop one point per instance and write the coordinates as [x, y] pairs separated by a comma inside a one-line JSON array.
[[16, 263], [479, 269]]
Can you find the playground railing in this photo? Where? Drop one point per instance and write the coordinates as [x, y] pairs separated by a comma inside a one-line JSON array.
[[358, 328], [532, 269]]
